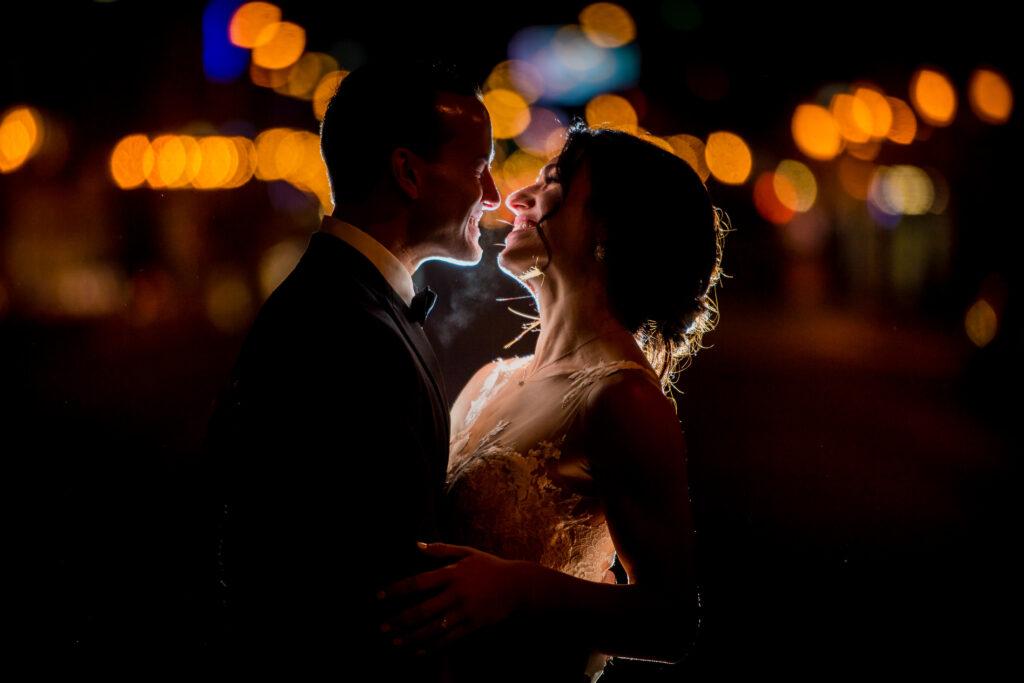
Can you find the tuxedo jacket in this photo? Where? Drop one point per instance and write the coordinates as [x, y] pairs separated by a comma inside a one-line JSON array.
[[332, 444]]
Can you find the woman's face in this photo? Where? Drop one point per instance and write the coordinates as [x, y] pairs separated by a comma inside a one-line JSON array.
[[560, 216]]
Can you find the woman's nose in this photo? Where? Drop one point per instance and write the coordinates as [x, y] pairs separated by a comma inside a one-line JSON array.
[[520, 200]]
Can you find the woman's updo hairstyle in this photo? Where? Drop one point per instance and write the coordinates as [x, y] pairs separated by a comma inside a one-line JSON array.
[[659, 236]]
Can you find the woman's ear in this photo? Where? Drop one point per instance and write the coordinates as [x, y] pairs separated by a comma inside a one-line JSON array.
[[405, 169]]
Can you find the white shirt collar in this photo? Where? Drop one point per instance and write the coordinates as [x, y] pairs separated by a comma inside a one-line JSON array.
[[386, 262]]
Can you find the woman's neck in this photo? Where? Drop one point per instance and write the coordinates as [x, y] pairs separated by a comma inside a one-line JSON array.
[[571, 318]]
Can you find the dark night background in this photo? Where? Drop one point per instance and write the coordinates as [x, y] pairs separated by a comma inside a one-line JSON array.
[[852, 453]]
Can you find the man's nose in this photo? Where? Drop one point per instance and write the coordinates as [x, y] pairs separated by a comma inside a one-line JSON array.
[[492, 198]]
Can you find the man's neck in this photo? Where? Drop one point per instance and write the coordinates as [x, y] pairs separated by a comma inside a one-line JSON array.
[[392, 233]]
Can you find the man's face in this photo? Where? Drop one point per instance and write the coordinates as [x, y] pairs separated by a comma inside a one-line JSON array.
[[458, 186]]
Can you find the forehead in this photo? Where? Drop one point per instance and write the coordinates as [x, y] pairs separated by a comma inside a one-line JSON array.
[[466, 120]]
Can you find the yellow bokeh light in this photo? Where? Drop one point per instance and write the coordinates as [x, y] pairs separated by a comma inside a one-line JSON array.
[[908, 190], [878, 106], [795, 185], [981, 323], [904, 123], [325, 90], [607, 24], [933, 96], [815, 132], [990, 96], [131, 162], [509, 113], [728, 157], [283, 47], [247, 23], [519, 77], [21, 136], [607, 111], [852, 116]]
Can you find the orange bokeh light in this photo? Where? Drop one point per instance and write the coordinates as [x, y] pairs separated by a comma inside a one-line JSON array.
[[904, 123], [607, 24], [933, 97], [509, 113], [284, 43], [728, 157], [990, 96], [610, 111], [131, 162], [21, 136], [766, 199], [519, 77], [852, 116], [325, 90], [878, 106], [815, 132], [247, 23]]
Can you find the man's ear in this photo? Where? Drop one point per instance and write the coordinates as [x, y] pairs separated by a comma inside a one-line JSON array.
[[407, 172]]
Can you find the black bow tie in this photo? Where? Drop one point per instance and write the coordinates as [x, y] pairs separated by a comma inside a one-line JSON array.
[[421, 304]]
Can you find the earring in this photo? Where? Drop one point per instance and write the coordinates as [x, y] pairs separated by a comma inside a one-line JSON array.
[[599, 252]]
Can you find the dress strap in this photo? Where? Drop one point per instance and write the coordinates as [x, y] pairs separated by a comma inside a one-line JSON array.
[[581, 379]]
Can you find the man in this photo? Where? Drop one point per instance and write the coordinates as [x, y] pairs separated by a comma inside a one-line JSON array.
[[334, 434]]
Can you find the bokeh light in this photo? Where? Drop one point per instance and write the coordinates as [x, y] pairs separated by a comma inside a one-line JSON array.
[[545, 134], [219, 162], [518, 76], [21, 136], [690, 149], [855, 177], [607, 24], [131, 162], [904, 124], [246, 153], [279, 45], [933, 97], [981, 323], [277, 262], [509, 113], [815, 132], [795, 185], [766, 199], [728, 157], [268, 78], [228, 299], [852, 116], [878, 107], [580, 55], [222, 61], [303, 77], [325, 90], [267, 144], [990, 96], [247, 23], [907, 189], [610, 111]]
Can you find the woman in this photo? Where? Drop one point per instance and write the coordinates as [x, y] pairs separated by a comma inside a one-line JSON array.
[[565, 459]]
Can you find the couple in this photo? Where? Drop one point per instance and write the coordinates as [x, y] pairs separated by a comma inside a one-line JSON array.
[[344, 471]]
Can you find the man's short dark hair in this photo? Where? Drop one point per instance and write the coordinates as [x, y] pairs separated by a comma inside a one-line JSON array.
[[378, 108]]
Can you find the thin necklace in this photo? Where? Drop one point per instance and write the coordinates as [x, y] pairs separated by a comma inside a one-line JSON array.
[[567, 353]]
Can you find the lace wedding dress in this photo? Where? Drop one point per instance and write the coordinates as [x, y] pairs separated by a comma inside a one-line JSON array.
[[520, 488]]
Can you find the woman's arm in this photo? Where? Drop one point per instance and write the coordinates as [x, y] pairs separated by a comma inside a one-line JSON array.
[[469, 392], [638, 462]]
